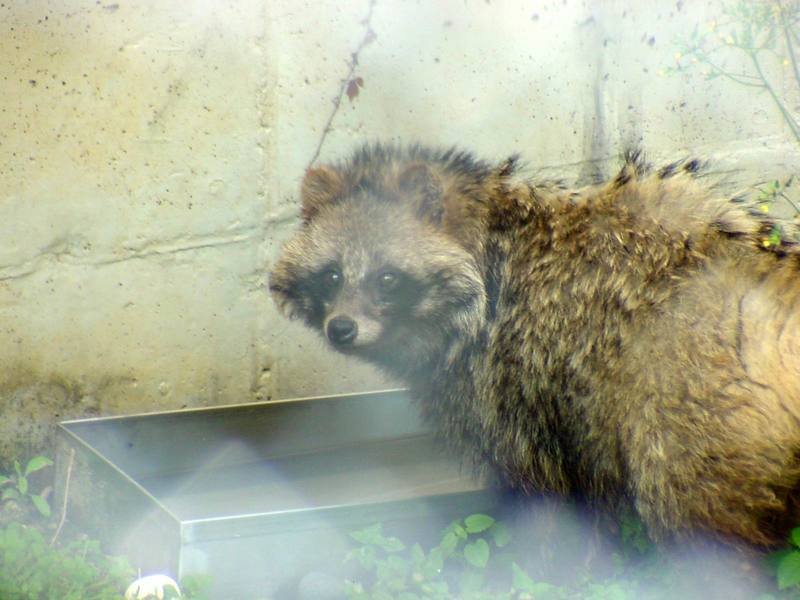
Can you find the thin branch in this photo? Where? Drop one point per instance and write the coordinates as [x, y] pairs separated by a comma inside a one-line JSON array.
[[740, 78], [66, 496], [784, 112], [786, 197], [369, 35], [789, 45]]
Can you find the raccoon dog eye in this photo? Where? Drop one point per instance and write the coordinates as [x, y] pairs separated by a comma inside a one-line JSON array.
[[388, 282], [395, 290], [331, 279]]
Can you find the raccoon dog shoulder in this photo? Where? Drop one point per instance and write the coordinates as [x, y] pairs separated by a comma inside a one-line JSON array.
[[635, 341]]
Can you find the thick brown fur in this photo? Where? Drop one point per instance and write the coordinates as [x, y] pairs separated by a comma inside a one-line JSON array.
[[636, 341]]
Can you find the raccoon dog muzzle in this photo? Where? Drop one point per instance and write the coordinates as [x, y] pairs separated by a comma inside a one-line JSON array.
[[342, 331]]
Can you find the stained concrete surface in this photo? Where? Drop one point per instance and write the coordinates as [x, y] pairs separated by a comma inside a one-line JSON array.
[[150, 154]]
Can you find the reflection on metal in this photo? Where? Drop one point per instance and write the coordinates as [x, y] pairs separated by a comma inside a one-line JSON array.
[[257, 495]]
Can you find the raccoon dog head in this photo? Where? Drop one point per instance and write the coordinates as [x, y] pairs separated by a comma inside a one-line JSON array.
[[375, 267]]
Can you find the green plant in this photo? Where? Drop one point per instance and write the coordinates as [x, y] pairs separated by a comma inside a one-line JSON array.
[[196, 587], [30, 569], [749, 44], [787, 563], [754, 45], [16, 486], [767, 194], [633, 535], [477, 559], [468, 563]]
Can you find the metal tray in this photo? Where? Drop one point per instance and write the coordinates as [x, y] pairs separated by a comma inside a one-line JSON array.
[[258, 495]]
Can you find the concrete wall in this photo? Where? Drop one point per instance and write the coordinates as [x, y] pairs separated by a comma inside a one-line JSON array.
[[150, 152]]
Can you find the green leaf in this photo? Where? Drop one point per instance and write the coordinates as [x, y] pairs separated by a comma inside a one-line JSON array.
[[773, 559], [369, 535], [392, 544], [17, 468], [36, 463], [22, 485], [634, 535], [794, 536], [521, 580], [471, 581], [456, 529], [398, 564], [4, 480], [10, 494], [478, 522], [477, 553], [776, 235], [436, 588], [373, 536], [448, 544], [365, 555], [789, 570], [608, 591], [197, 587], [500, 534], [393, 573], [355, 591], [433, 565], [417, 555], [41, 505]]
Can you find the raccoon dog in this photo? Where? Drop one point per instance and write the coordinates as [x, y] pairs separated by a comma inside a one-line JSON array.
[[632, 342]]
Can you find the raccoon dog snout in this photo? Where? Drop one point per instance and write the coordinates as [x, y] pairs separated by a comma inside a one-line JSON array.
[[342, 331]]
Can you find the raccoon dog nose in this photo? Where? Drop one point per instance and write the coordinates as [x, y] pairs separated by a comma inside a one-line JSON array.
[[342, 330]]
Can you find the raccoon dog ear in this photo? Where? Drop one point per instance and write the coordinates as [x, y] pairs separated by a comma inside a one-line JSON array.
[[321, 186], [425, 186]]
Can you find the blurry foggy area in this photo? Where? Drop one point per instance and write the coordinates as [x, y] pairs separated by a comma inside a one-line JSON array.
[[151, 153]]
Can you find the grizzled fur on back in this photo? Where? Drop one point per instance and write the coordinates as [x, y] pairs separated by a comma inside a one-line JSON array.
[[635, 341]]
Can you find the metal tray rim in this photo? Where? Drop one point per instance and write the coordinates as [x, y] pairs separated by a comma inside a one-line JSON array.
[[238, 405]]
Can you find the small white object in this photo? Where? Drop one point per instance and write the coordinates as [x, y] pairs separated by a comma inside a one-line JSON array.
[[152, 585]]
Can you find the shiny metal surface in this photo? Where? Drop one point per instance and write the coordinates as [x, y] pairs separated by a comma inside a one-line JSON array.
[[258, 494]]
